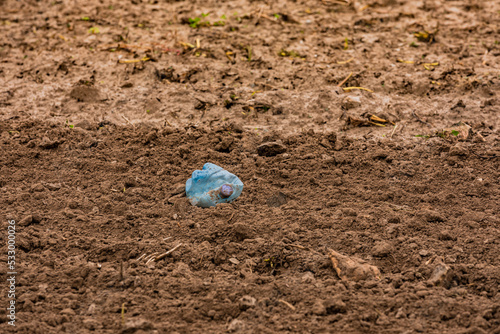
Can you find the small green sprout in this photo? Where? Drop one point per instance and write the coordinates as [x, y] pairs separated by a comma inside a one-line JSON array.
[[94, 30], [193, 23]]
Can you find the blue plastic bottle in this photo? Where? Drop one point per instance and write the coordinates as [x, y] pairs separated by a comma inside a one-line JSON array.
[[212, 185]]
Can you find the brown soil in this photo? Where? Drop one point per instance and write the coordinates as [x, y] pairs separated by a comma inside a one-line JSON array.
[[343, 225]]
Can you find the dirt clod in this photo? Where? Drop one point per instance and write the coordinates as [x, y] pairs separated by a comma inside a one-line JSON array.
[[352, 268], [271, 149], [85, 94]]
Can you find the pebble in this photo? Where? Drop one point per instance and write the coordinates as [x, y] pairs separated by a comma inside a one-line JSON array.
[[247, 302], [382, 249]]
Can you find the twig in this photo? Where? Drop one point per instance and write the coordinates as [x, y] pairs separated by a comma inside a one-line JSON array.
[[394, 130], [151, 257], [123, 314], [339, 2], [259, 14], [298, 246], [270, 19], [128, 121], [348, 89], [345, 62], [419, 119], [485, 157], [267, 85], [484, 57], [345, 80], [164, 255], [287, 304], [130, 61]]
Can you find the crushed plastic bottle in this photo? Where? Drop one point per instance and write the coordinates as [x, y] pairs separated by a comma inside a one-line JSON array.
[[212, 185]]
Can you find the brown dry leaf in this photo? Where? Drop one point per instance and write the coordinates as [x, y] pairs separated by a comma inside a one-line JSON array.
[[352, 268], [370, 120], [356, 122], [380, 120]]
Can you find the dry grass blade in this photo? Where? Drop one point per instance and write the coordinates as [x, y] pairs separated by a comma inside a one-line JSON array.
[[287, 304], [380, 120], [164, 255], [345, 80], [345, 62], [348, 89], [131, 61]]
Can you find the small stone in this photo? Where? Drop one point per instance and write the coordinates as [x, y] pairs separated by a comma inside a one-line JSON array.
[[308, 277], [328, 158], [46, 143], [379, 155], [442, 275], [85, 94], [236, 326], [247, 302], [459, 150], [38, 188], [271, 149], [30, 219], [478, 138], [335, 305], [418, 327], [277, 200], [382, 249], [84, 124], [68, 311], [242, 231], [446, 235], [400, 314], [318, 308], [422, 293], [91, 324], [423, 252], [352, 268], [77, 283], [234, 261], [432, 216], [91, 309], [53, 186], [135, 324], [351, 102]]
